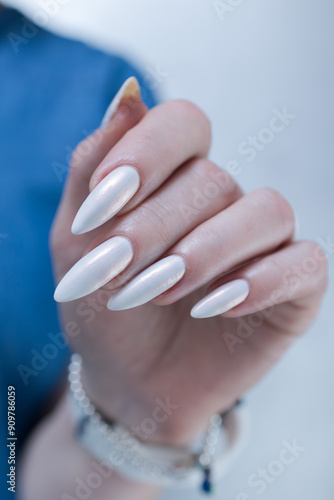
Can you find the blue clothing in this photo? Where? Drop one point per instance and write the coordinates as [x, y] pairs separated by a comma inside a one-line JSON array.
[[53, 93]]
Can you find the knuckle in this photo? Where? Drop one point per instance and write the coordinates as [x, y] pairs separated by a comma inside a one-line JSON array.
[[76, 156], [155, 215], [75, 164], [193, 113], [53, 241], [55, 237], [314, 252], [311, 247], [184, 105], [269, 197], [223, 180], [83, 152], [215, 181], [143, 145], [59, 251]]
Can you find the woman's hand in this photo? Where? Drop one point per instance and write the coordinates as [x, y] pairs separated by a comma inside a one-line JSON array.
[[185, 207]]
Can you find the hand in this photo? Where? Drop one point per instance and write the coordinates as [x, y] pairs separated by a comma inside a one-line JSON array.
[[187, 207]]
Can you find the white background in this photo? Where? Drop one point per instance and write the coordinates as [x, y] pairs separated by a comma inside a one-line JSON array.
[[263, 54]]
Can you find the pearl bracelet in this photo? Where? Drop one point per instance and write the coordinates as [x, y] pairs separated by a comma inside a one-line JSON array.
[[202, 464]]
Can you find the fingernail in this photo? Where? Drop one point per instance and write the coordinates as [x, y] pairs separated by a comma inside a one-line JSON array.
[[129, 89], [95, 269], [221, 300], [150, 283], [109, 196]]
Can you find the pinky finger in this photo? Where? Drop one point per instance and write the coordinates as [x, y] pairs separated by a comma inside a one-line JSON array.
[[297, 273]]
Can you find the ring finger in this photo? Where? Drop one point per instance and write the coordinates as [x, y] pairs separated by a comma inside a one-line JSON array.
[[253, 226]]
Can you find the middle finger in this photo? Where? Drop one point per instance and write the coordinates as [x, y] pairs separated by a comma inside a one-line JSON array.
[[196, 192]]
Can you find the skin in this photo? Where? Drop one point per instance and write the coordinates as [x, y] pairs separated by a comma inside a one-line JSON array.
[[133, 357]]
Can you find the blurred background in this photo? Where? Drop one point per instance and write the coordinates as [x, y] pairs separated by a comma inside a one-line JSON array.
[[243, 62]]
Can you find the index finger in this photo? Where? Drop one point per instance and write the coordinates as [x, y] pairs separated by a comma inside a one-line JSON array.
[[167, 136]]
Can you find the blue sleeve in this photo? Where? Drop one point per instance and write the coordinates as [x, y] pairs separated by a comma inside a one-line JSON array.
[[53, 93]]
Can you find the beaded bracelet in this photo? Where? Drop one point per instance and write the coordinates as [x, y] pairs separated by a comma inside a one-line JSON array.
[[200, 465]]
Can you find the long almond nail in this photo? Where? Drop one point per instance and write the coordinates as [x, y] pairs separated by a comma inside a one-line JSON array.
[[150, 283], [95, 269], [109, 196], [221, 300], [129, 90]]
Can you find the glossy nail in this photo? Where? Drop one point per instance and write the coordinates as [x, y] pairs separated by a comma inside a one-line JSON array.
[[150, 283], [129, 90], [109, 196], [221, 300], [95, 269]]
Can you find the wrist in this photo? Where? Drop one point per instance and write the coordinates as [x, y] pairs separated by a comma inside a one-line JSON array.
[[155, 417], [164, 465]]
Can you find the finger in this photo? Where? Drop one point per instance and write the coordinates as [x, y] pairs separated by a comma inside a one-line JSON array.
[[168, 136], [252, 226], [195, 193], [124, 112], [295, 274], [198, 191]]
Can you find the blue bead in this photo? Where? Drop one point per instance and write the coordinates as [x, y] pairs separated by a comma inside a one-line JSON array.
[[207, 486]]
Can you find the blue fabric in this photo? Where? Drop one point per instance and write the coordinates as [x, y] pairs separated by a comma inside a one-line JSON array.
[[53, 92]]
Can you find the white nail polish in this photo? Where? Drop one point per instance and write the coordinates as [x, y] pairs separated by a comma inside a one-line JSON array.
[[109, 196], [221, 300], [95, 269], [150, 283], [129, 89]]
